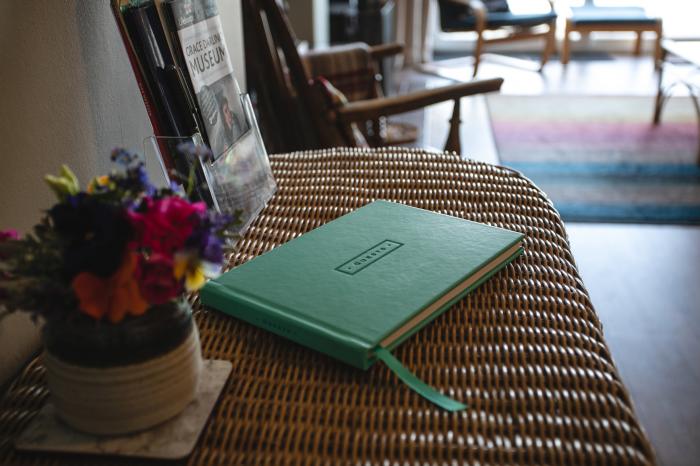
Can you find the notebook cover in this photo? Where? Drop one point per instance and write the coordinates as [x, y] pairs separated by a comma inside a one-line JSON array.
[[345, 286]]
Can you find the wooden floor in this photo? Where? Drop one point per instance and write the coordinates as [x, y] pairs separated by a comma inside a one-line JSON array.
[[644, 280]]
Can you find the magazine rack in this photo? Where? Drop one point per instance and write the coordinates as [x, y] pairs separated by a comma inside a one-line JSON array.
[[238, 182]]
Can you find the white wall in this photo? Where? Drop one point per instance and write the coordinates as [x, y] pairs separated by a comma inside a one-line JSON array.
[[68, 95], [311, 21], [230, 11]]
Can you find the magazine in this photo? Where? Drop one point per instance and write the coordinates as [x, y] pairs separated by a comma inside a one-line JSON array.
[[208, 62]]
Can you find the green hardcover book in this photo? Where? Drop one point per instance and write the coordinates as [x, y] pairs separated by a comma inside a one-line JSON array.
[[358, 286]]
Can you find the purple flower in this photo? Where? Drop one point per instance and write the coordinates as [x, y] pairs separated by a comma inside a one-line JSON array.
[[123, 157], [175, 187], [212, 248], [206, 237], [139, 177], [135, 179]]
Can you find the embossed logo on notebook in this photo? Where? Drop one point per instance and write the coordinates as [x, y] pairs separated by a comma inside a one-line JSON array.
[[369, 257]]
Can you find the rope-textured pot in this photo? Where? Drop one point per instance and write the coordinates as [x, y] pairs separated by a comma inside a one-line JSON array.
[[112, 379]]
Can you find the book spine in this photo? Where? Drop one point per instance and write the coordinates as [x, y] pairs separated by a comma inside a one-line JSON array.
[[285, 324], [145, 31], [141, 83]]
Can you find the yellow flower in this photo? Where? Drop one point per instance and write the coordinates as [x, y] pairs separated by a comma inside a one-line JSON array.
[[191, 269], [100, 181]]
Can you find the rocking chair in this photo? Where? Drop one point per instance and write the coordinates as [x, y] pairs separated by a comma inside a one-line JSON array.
[[300, 108]]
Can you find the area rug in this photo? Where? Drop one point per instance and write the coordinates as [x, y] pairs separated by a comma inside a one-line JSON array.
[[600, 159]]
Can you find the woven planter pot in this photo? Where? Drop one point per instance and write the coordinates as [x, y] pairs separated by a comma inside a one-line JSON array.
[[111, 379]]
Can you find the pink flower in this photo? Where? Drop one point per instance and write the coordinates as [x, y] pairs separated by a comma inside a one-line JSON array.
[[8, 234], [165, 224], [157, 281]]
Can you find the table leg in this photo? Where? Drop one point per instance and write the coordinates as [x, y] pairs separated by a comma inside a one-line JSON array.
[[659, 52]]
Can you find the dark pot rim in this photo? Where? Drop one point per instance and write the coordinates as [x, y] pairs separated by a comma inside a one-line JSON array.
[[85, 342]]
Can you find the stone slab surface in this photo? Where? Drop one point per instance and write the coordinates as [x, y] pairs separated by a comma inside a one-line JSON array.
[[172, 439]]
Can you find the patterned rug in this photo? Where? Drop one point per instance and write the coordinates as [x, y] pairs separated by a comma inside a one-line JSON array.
[[600, 159]]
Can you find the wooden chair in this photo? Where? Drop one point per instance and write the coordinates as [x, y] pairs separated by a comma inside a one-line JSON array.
[[473, 15], [300, 111], [354, 70]]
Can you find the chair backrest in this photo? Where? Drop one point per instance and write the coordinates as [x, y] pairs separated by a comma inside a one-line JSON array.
[[453, 12], [295, 108], [450, 12]]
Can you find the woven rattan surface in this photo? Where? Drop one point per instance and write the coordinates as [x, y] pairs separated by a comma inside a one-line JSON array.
[[525, 351]]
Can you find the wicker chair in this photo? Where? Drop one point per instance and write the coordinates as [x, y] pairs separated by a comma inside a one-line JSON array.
[[304, 110]]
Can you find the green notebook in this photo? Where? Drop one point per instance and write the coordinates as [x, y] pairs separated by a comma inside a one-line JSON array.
[[361, 284]]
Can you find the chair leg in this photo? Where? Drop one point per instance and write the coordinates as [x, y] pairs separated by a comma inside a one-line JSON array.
[[376, 134], [566, 45], [477, 52], [658, 104], [638, 43], [549, 45], [453, 142]]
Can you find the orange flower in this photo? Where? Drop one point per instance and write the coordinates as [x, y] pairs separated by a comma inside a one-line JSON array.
[[115, 296]]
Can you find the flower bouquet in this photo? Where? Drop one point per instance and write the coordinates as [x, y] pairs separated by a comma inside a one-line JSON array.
[[107, 270]]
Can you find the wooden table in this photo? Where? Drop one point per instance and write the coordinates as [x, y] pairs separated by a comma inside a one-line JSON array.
[[525, 351], [688, 52]]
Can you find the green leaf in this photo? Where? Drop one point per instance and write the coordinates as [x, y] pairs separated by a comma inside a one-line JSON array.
[[67, 174], [65, 184]]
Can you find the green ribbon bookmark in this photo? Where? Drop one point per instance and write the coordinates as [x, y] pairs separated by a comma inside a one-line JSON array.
[[416, 384]]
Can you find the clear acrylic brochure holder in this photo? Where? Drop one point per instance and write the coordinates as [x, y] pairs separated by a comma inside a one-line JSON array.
[[238, 182]]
